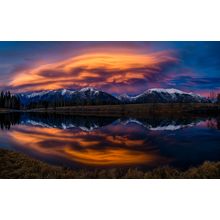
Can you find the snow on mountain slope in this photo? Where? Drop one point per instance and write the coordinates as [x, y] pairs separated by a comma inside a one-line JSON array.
[[171, 91], [125, 98], [91, 95], [92, 124], [158, 95], [82, 96], [91, 90], [34, 94], [170, 125]]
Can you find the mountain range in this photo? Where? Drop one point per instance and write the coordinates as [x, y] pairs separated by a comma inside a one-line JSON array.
[[93, 96]]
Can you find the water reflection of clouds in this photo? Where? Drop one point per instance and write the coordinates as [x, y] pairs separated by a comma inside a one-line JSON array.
[[100, 147], [100, 141]]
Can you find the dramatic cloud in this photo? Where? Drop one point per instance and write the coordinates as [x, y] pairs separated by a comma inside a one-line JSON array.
[[202, 84], [114, 67], [110, 71]]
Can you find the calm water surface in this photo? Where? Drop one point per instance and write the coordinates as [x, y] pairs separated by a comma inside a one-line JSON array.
[[77, 141]]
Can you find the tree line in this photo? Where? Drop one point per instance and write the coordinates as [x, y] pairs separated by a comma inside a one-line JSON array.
[[65, 103], [61, 102], [7, 100]]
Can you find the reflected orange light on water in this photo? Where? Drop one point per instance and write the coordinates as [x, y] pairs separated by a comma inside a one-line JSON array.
[[110, 157], [95, 148]]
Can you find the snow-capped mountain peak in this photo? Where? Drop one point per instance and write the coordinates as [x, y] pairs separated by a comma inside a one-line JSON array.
[[160, 95], [171, 91], [90, 90], [34, 94], [63, 91], [124, 97], [86, 95], [66, 92], [90, 95]]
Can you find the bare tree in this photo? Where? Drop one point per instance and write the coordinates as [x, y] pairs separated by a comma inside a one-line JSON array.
[[212, 95], [218, 98]]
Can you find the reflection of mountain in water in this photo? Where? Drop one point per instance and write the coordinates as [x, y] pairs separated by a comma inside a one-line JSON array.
[[90, 123], [158, 124], [78, 141], [67, 121]]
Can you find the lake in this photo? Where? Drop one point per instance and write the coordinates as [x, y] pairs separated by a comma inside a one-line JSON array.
[[104, 142]]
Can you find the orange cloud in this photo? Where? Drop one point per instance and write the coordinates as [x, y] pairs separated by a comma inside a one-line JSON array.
[[98, 69]]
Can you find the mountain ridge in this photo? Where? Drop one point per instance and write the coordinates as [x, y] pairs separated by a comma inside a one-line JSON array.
[[93, 96], [157, 95]]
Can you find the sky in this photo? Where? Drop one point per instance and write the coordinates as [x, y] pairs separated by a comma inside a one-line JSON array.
[[113, 67]]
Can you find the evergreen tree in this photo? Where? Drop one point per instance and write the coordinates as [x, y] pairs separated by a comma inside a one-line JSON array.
[[7, 100]]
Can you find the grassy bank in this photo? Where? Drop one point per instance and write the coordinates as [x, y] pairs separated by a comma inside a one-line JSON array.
[[16, 165], [137, 110], [131, 110], [7, 110]]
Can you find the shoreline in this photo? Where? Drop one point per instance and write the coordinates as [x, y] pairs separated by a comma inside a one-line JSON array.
[[14, 165], [139, 110]]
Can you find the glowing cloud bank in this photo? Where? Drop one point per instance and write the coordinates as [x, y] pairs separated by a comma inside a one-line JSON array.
[[114, 67], [112, 72]]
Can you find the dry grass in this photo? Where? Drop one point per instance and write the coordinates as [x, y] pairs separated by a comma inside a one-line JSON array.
[[16, 165], [5, 110]]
